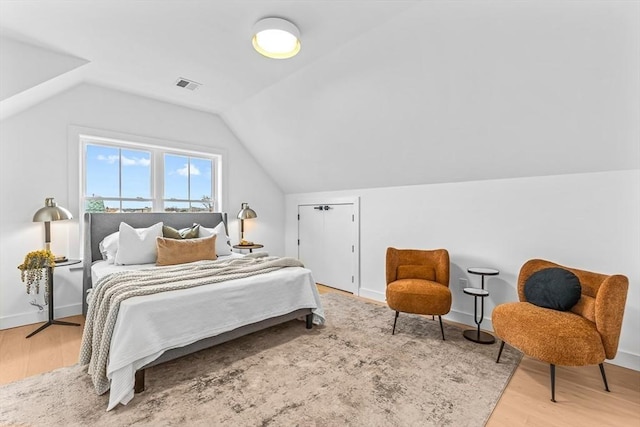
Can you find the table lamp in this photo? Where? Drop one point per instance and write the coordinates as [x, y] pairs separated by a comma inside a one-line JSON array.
[[245, 213], [51, 212]]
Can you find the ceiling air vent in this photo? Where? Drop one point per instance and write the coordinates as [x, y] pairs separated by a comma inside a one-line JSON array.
[[187, 84]]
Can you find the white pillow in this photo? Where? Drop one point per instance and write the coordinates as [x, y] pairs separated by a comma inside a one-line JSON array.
[[109, 247], [138, 245], [223, 245]]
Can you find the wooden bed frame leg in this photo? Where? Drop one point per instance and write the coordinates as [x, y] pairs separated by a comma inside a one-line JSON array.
[[309, 318], [139, 384]]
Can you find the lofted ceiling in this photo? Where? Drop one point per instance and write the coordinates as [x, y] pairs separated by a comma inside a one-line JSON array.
[[383, 93]]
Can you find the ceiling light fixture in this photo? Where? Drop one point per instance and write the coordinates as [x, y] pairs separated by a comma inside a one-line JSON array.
[[276, 38]]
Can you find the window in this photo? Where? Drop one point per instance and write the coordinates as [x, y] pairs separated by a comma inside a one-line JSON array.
[[122, 176], [187, 183], [117, 179]]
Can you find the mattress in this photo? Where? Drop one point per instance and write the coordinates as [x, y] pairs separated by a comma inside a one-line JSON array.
[[147, 326]]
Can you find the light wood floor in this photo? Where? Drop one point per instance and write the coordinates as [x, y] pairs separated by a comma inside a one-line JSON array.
[[49, 349], [581, 398]]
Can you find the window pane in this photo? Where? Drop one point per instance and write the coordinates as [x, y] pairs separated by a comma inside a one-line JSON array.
[[203, 206], [102, 165], [145, 206], [99, 205], [94, 206], [170, 206], [200, 178], [176, 177], [136, 173]]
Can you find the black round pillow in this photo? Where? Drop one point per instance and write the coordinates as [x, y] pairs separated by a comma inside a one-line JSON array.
[[554, 288]]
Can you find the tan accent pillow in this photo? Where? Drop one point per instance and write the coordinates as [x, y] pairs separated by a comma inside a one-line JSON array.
[[423, 272], [174, 251]]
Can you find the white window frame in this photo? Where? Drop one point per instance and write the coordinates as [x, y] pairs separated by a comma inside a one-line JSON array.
[[157, 165], [76, 174]]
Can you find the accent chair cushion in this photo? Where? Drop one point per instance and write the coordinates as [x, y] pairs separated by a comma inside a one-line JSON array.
[[558, 337], [554, 288], [419, 297], [423, 272], [181, 251]]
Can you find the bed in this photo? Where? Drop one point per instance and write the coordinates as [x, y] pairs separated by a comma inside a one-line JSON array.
[[175, 323]]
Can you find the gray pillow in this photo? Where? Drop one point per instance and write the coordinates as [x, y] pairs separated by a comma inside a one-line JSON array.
[[554, 288]]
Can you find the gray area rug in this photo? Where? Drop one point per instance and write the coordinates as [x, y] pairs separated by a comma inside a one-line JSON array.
[[351, 371]]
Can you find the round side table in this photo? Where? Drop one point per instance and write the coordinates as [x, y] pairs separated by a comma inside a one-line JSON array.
[[476, 335], [51, 320], [250, 247]]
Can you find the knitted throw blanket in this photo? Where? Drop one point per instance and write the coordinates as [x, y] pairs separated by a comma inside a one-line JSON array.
[[114, 288]]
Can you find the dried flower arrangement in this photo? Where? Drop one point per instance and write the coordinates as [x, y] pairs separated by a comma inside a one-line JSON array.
[[32, 269]]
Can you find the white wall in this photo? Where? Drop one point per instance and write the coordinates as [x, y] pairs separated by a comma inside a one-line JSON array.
[[588, 221], [37, 161]]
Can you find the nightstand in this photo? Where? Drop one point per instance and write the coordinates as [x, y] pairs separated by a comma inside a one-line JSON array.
[[51, 320], [250, 247]]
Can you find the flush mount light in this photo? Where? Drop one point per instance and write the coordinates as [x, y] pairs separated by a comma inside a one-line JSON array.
[[276, 38]]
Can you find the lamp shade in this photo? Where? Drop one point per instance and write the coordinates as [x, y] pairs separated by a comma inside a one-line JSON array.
[[276, 38], [246, 212], [51, 212]]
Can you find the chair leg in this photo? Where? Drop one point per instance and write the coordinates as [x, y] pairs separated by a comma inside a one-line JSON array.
[[500, 352], [604, 377], [394, 323], [441, 327], [553, 382]]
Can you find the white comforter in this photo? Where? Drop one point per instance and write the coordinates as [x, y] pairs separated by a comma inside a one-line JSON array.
[[148, 326]]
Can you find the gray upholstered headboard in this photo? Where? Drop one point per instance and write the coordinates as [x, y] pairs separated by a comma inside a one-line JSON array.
[[97, 226]]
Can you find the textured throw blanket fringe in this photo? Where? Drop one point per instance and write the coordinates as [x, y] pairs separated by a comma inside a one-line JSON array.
[[114, 288]]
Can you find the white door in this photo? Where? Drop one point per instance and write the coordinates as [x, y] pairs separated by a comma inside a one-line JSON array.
[[326, 243], [311, 241]]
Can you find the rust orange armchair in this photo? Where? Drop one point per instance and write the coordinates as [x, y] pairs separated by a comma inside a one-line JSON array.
[[587, 334], [418, 282]]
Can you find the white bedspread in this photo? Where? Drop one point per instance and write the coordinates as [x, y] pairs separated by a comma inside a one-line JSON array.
[[148, 326]]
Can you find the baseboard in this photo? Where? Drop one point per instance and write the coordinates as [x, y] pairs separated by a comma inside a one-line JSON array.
[[453, 315], [31, 317], [626, 359], [370, 294], [467, 319]]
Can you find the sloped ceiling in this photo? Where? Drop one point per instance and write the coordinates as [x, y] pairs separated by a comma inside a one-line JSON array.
[[383, 93], [41, 65]]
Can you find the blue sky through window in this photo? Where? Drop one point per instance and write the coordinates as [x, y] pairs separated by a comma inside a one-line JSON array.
[[180, 171], [103, 170], [111, 170]]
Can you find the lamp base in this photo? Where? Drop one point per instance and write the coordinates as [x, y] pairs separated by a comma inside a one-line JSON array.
[[49, 323]]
